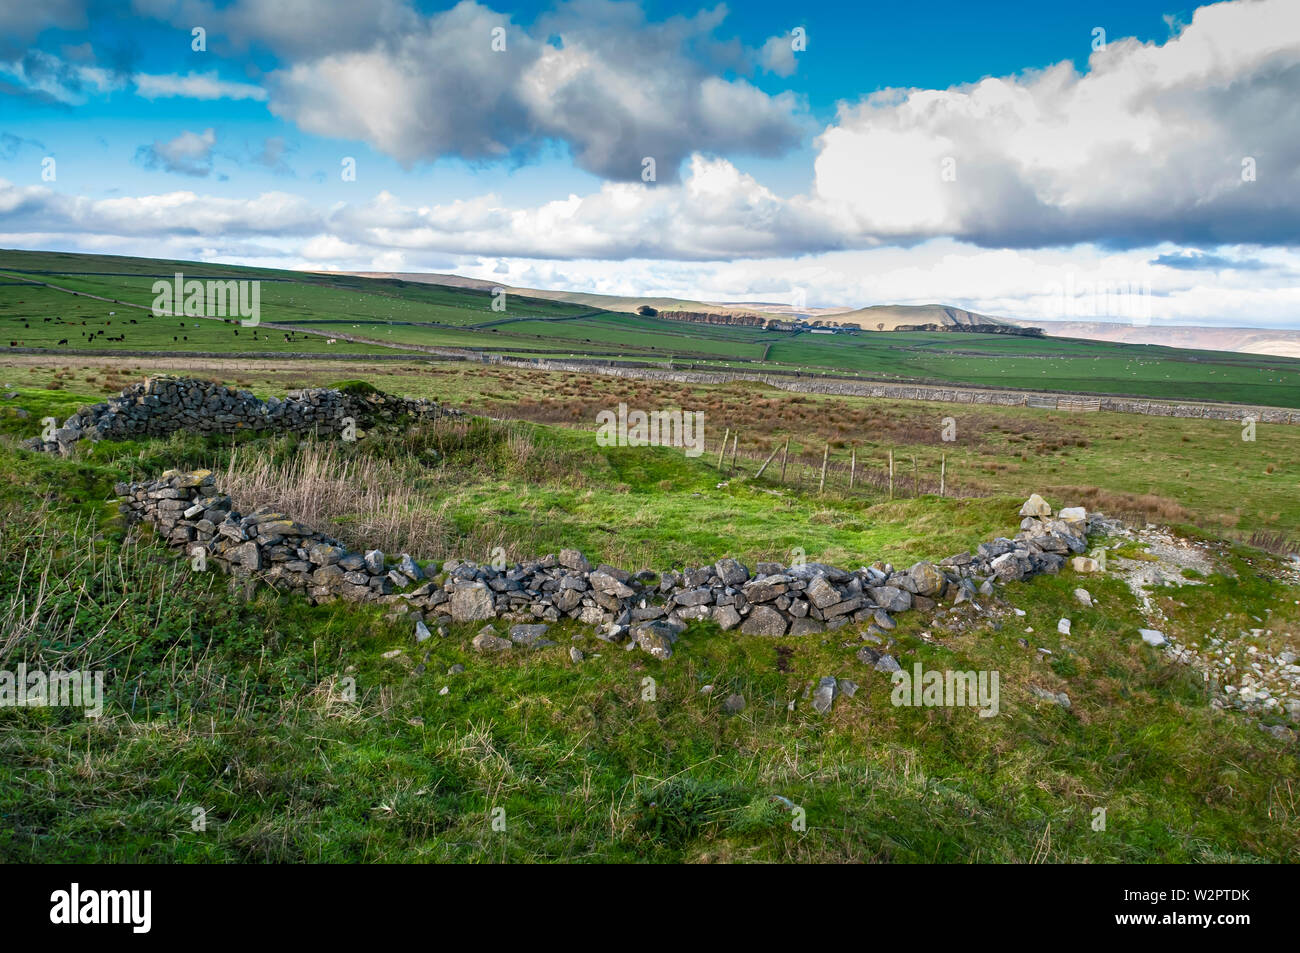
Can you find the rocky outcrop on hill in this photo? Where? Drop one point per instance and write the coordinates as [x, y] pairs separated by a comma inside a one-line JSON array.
[[651, 609], [163, 405], [974, 329], [700, 317]]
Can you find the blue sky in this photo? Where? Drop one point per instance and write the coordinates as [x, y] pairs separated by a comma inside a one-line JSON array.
[[970, 153]]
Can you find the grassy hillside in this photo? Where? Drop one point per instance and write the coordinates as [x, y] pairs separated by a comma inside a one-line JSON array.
[[88, 323], [237, 702], [625, 304], [389, 314]]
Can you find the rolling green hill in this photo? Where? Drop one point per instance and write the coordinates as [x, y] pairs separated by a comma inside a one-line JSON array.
[[45, 297]]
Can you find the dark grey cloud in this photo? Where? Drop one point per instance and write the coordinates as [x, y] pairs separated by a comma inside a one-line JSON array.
[[593, 75], [22, 22], [289, 29]]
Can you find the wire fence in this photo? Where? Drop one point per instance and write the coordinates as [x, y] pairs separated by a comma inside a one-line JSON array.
[[821, 468]]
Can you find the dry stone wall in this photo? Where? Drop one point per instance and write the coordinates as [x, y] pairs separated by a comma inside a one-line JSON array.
[[941, 394], [652, 609], [163, 405]]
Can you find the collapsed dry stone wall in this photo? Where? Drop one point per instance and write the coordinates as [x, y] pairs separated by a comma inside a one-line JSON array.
[[162, 405], [652, 609]]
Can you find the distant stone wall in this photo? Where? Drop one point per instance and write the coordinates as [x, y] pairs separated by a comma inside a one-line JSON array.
[[163, 405], [950, 395], [808, 383], [219, 355], [189, 511]]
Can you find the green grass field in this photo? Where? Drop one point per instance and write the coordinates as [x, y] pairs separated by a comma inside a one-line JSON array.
[[24, 310], [1168, 469], [240, 705], [388, 313]]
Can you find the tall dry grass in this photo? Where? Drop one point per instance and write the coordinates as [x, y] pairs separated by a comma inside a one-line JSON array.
[[400, 494], [363, 501]]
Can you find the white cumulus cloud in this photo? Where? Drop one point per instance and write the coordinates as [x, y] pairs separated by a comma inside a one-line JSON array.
[[1149, 144], [194, 86]]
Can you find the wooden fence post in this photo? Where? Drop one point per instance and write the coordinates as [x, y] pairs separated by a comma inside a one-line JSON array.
[[770, 457], [723, 448], [821, 487], [943, 469], [853, 467], [735, 438], [891, 474], [916, 479], [784, 455]]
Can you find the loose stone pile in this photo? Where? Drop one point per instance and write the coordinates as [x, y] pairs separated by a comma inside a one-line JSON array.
[[163, 405], [1253, 668], [652, 609]]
